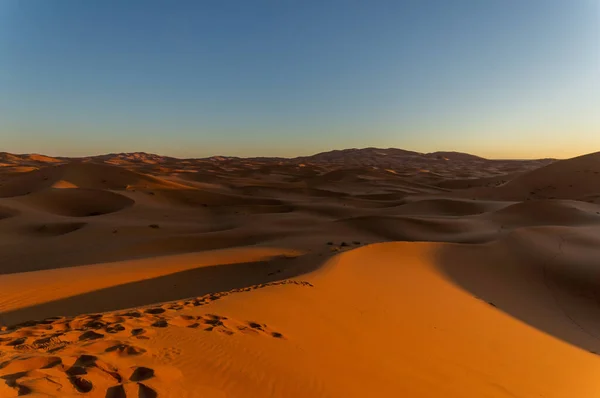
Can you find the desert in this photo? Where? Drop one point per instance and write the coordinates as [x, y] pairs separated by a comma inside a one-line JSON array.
[[347, 273], [299, 199]]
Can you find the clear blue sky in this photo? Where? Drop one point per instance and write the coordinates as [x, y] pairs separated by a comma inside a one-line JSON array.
[[499, 78]]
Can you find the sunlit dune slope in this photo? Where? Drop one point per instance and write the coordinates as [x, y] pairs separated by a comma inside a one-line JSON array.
[[415, 319]]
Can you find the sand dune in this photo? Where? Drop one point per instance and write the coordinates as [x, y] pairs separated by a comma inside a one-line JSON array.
[[492, 181], [6, 212], [575, 178], [53, 229], [204, 198], [537, 275], [449, 207], [352, 273], [548, 212], [77, 202], [452, 334], [81, 175], [426, 229], [27, 159]]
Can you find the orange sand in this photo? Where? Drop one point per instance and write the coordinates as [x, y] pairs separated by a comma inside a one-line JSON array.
[[143, 276]]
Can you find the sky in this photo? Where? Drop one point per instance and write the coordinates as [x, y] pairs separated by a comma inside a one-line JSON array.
[[497, 78]]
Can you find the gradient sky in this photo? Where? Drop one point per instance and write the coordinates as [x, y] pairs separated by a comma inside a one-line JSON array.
[[498, 78]]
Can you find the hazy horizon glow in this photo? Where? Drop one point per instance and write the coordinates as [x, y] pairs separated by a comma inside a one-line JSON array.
[[499, 79]]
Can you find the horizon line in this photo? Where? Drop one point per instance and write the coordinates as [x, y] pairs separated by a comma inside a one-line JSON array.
[[275, 157]]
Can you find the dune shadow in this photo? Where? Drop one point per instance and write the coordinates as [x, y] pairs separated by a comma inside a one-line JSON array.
[[180, 285], [544, 290], [49, 255]]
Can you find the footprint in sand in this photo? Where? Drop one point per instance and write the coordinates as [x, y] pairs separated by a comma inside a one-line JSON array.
[[34, 356], [82, 374], [138, 390]]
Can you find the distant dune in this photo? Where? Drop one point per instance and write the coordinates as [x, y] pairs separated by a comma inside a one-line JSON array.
[[352, 273], [80, 175], [577, 178]]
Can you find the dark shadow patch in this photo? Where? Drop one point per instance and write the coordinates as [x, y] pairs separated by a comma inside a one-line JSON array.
[[146, 392], [141, 373], [82, 385], [90, 335], [190, 283], [537, 286], [116, 392]]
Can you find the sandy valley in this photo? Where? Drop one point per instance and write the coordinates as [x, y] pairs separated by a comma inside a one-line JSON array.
[[355, 273]]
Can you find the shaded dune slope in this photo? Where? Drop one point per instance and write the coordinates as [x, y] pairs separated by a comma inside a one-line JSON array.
[[126, 284], [448, 207], [200, 198], [7, 212], [466, 222], [52, 228], [576, 178], [546, 277], [77, 202], [80, 175]]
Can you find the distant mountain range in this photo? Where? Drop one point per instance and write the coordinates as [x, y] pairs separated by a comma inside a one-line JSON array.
[[349, 157], [374, 156]]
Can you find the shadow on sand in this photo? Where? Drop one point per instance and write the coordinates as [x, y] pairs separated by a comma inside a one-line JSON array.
[[551, 287], [176, 286]]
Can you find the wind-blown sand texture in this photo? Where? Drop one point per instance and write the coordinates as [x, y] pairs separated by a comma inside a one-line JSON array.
[[357, 273]]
